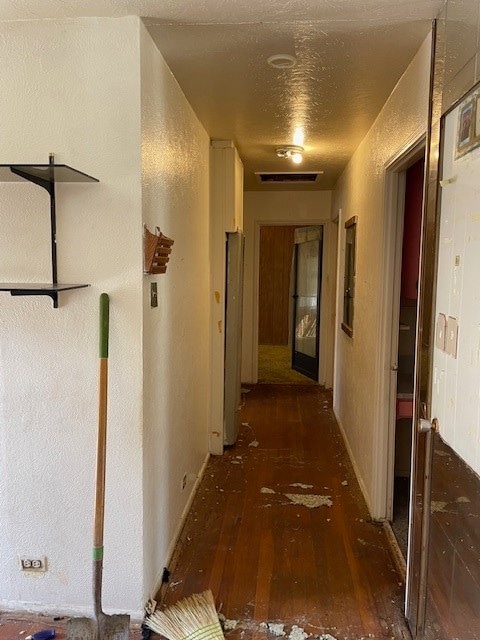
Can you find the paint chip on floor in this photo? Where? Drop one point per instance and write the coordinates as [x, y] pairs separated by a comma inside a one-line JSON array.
[[228, 625], [266, 490], [297, 633], [276, 629], [301, 485], [437, 506], [326, 636], [311, 501], [463, 499], [253, 443], [345, 483]]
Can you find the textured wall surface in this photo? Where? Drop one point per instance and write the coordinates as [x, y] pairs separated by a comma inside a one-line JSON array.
[[71, 87], [462, 60], [361, 192], [298, 208], [175, 197], [456, 380]]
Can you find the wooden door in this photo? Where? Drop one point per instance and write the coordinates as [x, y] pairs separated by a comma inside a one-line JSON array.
[[276, 254]]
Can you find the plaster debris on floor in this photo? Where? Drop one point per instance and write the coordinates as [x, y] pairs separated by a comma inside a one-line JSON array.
[[266, 490], [253, 443], [438, 506], [311, 501], [297, 633], [301, 485], [463, 499], [276, 629], [345, 483], [228, 625]]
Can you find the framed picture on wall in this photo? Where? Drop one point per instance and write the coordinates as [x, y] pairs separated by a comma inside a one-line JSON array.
[[477, 118], [468, 123], [465, 131]]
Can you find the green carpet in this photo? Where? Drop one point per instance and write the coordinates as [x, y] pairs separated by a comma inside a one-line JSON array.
[[274, 366]]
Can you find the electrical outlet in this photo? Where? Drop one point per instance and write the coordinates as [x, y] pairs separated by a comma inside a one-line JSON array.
[[33, 564], [184, 481]]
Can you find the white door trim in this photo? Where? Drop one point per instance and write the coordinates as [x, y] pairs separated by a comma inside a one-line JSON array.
[[389, 311]]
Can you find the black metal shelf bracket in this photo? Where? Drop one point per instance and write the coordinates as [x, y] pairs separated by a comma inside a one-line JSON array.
[[26, 292], [44, 176], [49, 185]]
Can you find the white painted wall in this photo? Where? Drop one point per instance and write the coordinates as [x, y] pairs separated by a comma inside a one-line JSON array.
[[283, 208], [71, 87], [176, 354], [360, 372], [456, 381], [226, 215]]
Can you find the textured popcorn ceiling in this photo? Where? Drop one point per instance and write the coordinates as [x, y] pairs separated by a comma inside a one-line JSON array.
[[350, 54]]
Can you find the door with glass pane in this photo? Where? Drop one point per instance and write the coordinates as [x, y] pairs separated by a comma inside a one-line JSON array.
[[306, 298]]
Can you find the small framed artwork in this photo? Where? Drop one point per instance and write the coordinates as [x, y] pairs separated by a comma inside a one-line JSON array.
[[477, 118], [466, 125]]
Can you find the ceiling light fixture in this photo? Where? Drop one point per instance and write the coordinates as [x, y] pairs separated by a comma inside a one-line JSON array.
[[293, 152], [282, 61], [299, 136]]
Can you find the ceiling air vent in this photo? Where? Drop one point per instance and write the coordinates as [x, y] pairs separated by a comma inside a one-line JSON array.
[[275, 177]]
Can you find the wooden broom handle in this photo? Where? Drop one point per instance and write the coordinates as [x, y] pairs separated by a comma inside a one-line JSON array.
[[102, 430]]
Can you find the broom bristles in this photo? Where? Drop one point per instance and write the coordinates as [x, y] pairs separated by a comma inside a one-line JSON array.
[[192, 618]]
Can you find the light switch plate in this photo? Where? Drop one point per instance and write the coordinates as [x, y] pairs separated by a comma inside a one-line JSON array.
[[451, 339], [440, 331], [153, 295]]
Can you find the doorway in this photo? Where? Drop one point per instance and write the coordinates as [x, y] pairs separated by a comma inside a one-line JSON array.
[[406, 332], [306, 300], [275, 306]]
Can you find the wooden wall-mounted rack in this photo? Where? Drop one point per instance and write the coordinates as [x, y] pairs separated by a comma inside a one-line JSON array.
[[156, 251]]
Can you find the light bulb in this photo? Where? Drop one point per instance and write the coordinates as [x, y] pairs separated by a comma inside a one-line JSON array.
[[297, 157], [299, 137]]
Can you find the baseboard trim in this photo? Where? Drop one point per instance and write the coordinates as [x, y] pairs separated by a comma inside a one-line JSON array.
[[363, 489], [397, 555], [27, 610], [172, 553]]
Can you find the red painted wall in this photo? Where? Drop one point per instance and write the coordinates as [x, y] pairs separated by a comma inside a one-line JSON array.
[[412, 230]]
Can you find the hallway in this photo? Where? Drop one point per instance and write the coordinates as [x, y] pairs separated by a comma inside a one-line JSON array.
[[326, 569]]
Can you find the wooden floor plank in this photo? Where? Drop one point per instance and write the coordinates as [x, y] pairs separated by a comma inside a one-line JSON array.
[[327, 569]]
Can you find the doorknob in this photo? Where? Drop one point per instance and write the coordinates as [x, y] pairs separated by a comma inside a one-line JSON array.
[[424, 425]]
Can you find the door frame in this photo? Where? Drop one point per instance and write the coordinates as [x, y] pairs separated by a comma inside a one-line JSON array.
[[327, 297], [395, 183], [304, 357]]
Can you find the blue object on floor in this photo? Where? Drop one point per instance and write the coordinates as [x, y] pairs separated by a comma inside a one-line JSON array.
[[44, 635]]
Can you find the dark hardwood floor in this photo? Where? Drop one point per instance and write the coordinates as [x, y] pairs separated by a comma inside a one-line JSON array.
[[453, 606], [326, 569]]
